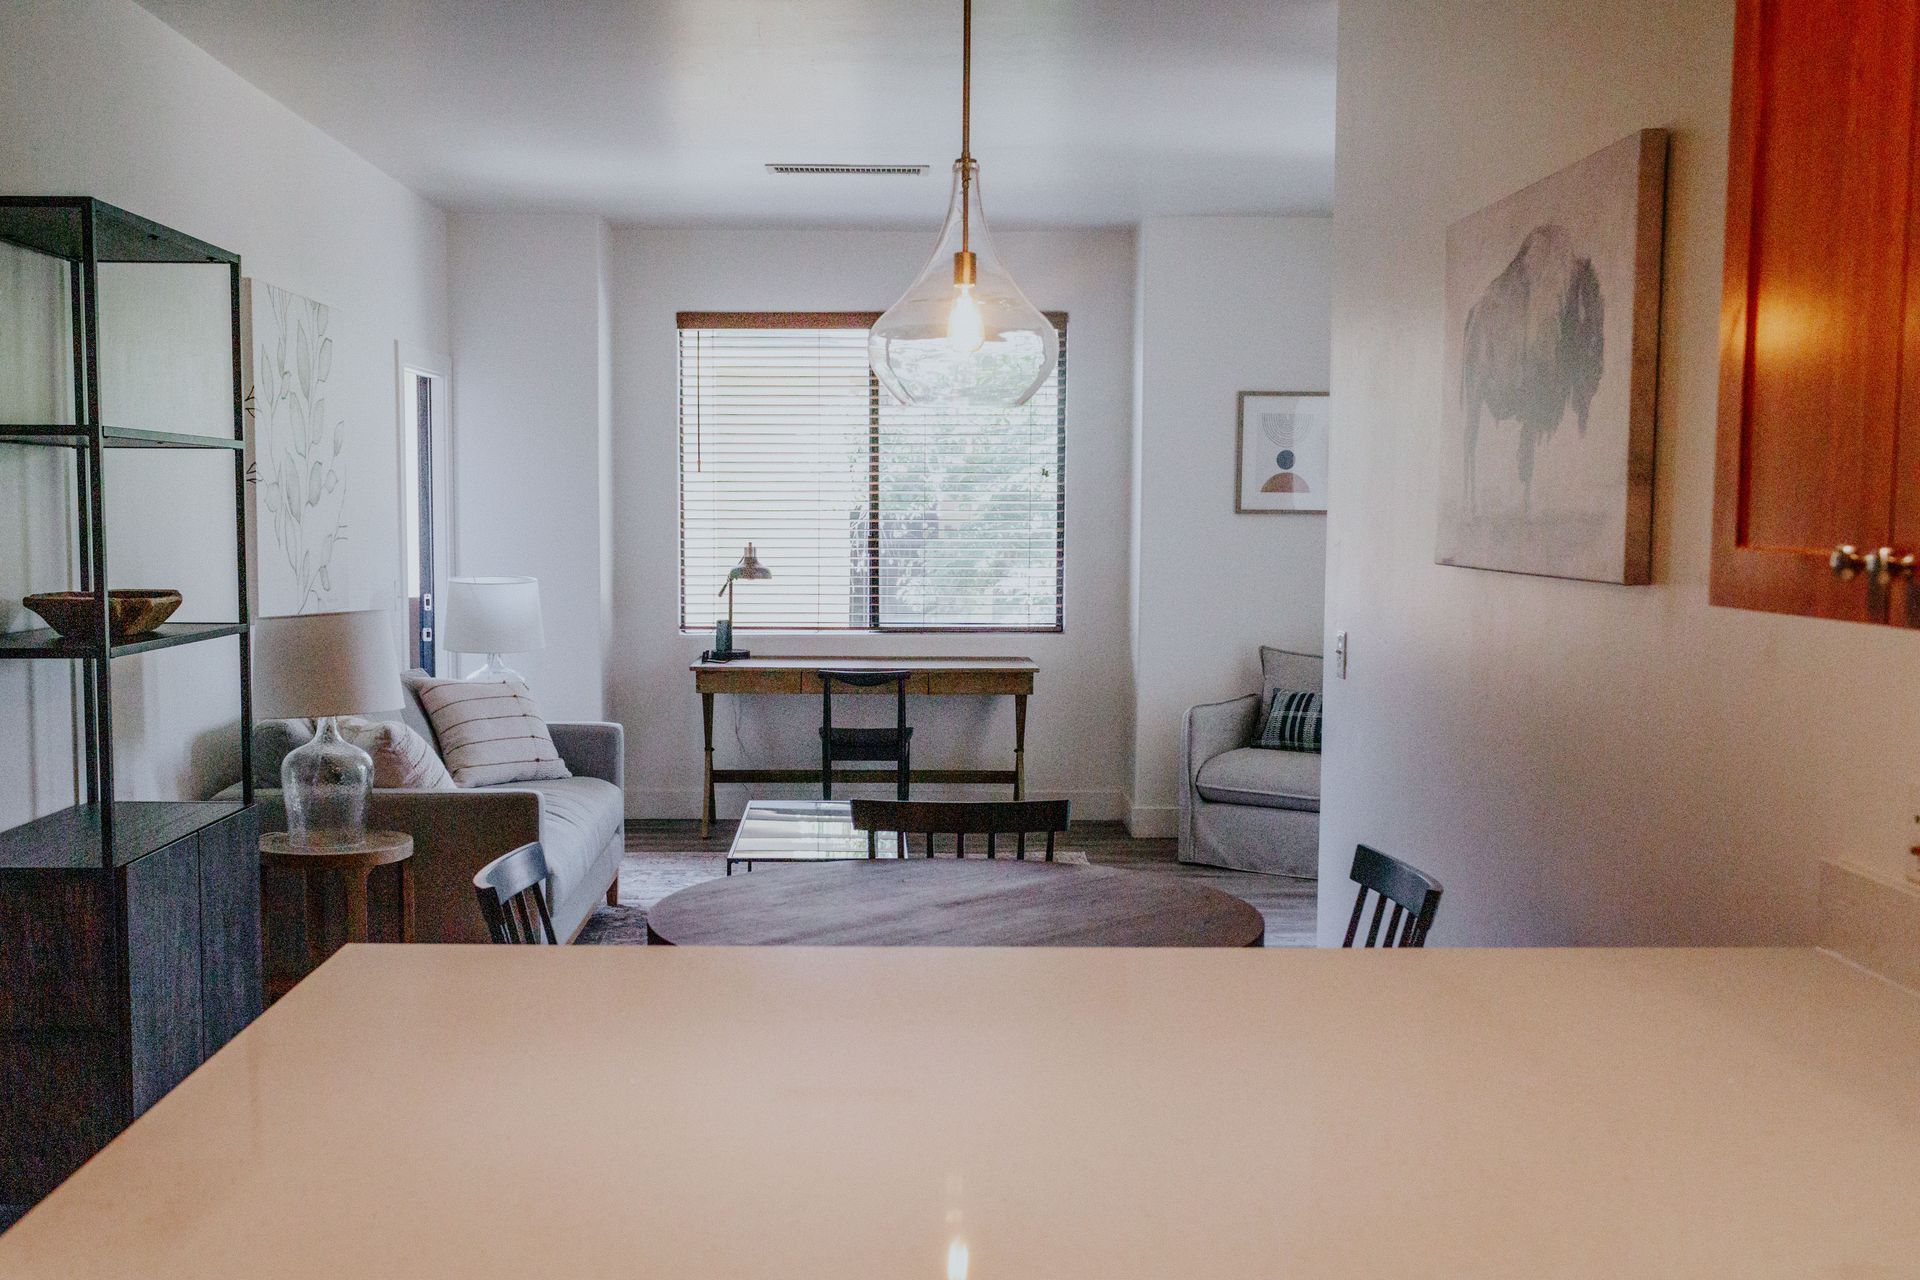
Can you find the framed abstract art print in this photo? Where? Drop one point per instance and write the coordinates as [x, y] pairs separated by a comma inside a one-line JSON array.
[[1282, 452]]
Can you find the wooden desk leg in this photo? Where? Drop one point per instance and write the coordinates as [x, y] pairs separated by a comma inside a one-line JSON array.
[[314, 890], [1019, 746], [406, 900], [355, 883], [706, 731]]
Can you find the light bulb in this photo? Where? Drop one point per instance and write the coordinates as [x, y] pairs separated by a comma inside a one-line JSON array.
[[965, 332]]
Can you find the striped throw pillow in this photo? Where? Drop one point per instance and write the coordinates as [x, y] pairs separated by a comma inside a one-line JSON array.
[[489, 732], [402, 759], [1292, 722]]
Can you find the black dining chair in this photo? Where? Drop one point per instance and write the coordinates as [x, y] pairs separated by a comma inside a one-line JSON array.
[[1415, 896], [895, 744], [993, 819], [512, 900]]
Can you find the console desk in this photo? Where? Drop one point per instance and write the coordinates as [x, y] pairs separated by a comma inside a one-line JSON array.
[[933, 677]]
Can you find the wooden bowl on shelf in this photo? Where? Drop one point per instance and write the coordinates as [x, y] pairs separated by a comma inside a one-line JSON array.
[[76, 614]]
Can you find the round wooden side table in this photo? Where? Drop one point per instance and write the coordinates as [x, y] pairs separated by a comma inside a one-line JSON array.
[[355, 864]]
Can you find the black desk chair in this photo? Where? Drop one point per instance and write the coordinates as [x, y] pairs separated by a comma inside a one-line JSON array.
[[893, 744], [511, 898], [960, 819], [1415, 896]]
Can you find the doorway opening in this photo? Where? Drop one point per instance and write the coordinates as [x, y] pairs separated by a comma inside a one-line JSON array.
[[423, 503]]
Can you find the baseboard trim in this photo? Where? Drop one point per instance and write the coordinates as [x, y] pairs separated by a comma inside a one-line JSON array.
[[673, 805], [1153, 821]]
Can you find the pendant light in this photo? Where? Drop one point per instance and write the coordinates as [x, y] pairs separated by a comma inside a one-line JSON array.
[[963, 334]]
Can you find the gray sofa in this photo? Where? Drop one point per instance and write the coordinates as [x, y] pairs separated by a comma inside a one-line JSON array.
[[1246, 807], [579, 822]]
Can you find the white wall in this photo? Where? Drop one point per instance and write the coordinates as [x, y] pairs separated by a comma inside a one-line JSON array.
[[1225, 305], [532, 406], [101, 98], [1077, 743], [1578, 763]]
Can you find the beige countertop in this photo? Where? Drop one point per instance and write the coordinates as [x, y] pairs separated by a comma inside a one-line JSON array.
[[473, 1112]]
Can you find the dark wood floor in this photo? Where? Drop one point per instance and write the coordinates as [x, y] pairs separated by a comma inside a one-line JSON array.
[[1287, 904]]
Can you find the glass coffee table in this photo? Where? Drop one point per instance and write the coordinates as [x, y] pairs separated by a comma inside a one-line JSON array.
[[803, 831]]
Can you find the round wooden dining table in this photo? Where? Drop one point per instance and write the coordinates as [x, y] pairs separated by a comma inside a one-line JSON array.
[[941, 902]]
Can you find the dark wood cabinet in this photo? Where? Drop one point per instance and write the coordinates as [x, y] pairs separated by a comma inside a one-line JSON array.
[[1819, 432], [116, 981]]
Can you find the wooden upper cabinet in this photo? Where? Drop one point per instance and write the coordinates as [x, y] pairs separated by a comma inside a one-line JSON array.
[[1819, 435]]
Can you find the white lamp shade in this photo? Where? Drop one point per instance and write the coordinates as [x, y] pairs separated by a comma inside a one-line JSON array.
[[326, 664], [493, 615]]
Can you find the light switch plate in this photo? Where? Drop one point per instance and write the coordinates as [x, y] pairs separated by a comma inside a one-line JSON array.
[[1340, 655]]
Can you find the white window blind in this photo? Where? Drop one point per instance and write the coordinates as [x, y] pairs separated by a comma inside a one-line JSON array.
[[870, 515]]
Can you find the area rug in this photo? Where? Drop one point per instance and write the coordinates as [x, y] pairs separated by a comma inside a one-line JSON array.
[[645, 878]]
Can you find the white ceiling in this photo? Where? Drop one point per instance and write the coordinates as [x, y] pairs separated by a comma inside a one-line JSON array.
[[665, 111]]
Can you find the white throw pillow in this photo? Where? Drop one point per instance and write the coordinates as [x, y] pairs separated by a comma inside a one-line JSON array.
[[402, 759], [489, 732]]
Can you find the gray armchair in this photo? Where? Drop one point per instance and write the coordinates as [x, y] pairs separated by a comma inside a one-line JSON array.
[[1246, 807]]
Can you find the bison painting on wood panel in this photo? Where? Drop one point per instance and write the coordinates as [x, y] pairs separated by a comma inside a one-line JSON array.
[[1552, 309]]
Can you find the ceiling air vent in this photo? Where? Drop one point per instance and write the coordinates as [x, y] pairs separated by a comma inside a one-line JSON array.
[[860, 170]]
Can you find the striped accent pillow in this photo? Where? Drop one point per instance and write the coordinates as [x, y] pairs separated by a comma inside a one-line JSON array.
[[489, 732], [402, 759], [1292, 722]]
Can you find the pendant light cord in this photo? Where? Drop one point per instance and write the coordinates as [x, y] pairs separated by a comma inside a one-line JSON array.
[[966, 80], [966, 119]]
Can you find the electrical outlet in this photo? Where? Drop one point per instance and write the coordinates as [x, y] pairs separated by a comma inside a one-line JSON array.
[[1340, 655]]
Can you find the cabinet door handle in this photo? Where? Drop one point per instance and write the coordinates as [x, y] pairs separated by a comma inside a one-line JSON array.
[[1883, 566], [1846, 562]]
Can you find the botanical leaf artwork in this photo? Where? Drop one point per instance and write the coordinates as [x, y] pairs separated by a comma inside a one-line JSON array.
[[299, 446]]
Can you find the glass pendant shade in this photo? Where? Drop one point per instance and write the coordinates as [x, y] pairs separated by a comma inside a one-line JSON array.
[[963, 334]]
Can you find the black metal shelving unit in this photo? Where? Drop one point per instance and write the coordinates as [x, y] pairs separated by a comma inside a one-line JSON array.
[[84, 233], [129, 929]]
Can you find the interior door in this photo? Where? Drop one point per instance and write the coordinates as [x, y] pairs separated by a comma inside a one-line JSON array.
[[1820, 179]]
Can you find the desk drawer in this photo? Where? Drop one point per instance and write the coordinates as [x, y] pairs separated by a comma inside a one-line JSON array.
[[748, 680], [981, 682]]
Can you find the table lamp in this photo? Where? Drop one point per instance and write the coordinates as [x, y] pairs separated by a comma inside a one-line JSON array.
[[326, 665], [494, 616], [752, 570]]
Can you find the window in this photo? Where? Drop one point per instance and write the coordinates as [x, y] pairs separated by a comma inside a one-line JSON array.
[[871, 515]]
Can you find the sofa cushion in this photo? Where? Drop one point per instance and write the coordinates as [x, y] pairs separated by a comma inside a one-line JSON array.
[[412, 714], [1285, 669], [489, 732], [272, 740], [1262, 777], [578, 818], [403, 760]]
